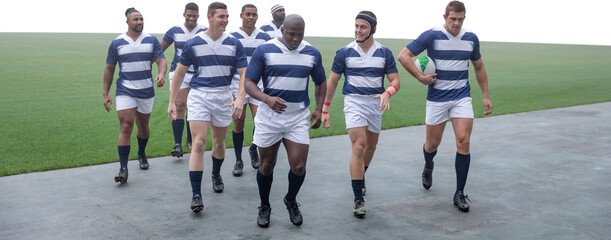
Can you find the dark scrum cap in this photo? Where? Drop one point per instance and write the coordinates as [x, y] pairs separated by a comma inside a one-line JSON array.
[[369, 17]]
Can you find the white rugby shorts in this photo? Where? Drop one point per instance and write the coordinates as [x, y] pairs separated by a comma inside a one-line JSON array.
[[247, 99], [185, 82], [210, 107], [363, 111], [271, 127], [440, 112], [144, 106]]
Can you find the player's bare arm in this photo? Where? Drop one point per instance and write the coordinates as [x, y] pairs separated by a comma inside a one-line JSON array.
[[164, 45], [162, 68], [392, 89], [320, 90], [179, 76], [482, 79], [405, 58], [109, 72], [331, 87], [238, 102]]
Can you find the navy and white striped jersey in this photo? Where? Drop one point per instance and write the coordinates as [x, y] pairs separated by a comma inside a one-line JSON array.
[[451, 56], [364, 72], [179, 35], [135, 60], [271, 30], [250, 43], [285, 73], [214, 62]]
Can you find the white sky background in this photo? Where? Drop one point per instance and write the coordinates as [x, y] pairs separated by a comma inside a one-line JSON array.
[[541, 21]]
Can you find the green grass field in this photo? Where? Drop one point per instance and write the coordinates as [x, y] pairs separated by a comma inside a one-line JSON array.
[[52, 113]]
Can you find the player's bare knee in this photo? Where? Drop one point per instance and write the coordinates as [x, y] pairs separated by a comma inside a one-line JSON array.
[[198, 147], [370, 149], [144, 128], [266, 168], [358, 150], [238, 125], [219, 148], [181, 106], [463, 144], [126, 127], [431, 146], [299, 170]]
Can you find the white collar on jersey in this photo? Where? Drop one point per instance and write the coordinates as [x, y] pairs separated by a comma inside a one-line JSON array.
[[245, 35], [444, 31], [278, 43], [207, 38], [195, 29], [369, 53], [130, 40]]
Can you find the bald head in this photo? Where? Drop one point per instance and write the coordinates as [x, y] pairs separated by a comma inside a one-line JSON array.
[[292, 31], [294, 20]]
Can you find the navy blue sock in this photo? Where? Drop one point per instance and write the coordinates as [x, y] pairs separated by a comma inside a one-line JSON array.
[[363, 175], [265, 186], [428, 158], [357, 186], [295, 183], [196, 182], [461, 164], [253, 146], [178, 126], [238, 143], [123, 155], [188, 129], [216, 165], [142, 145]]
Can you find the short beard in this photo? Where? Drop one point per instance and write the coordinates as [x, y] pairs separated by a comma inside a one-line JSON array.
[[135, 29]]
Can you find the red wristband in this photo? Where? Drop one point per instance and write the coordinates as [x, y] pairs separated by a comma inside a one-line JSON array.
[[389, 94], [325, 112], [396, 89], [327, 104]]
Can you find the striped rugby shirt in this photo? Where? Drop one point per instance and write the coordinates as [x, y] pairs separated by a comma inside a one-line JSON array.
[[250, 43], [179, 35], [214, 62], [451, 56], [135, 60], [285, 73], [364, 72], [271, 29]]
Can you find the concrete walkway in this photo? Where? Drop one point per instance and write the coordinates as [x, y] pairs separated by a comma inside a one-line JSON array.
[[536, 175]]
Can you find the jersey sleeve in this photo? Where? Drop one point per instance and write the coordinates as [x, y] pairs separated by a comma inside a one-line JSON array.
[[240, 57], [255, 68], [187, 54], [168, 37], [318, 71], [339, 62], [113, 55], [391, 65], [475, 55], [157, 49], [419, 45]]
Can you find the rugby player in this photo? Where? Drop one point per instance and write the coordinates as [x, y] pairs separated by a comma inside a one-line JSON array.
[[451, 47], [134, 51]]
